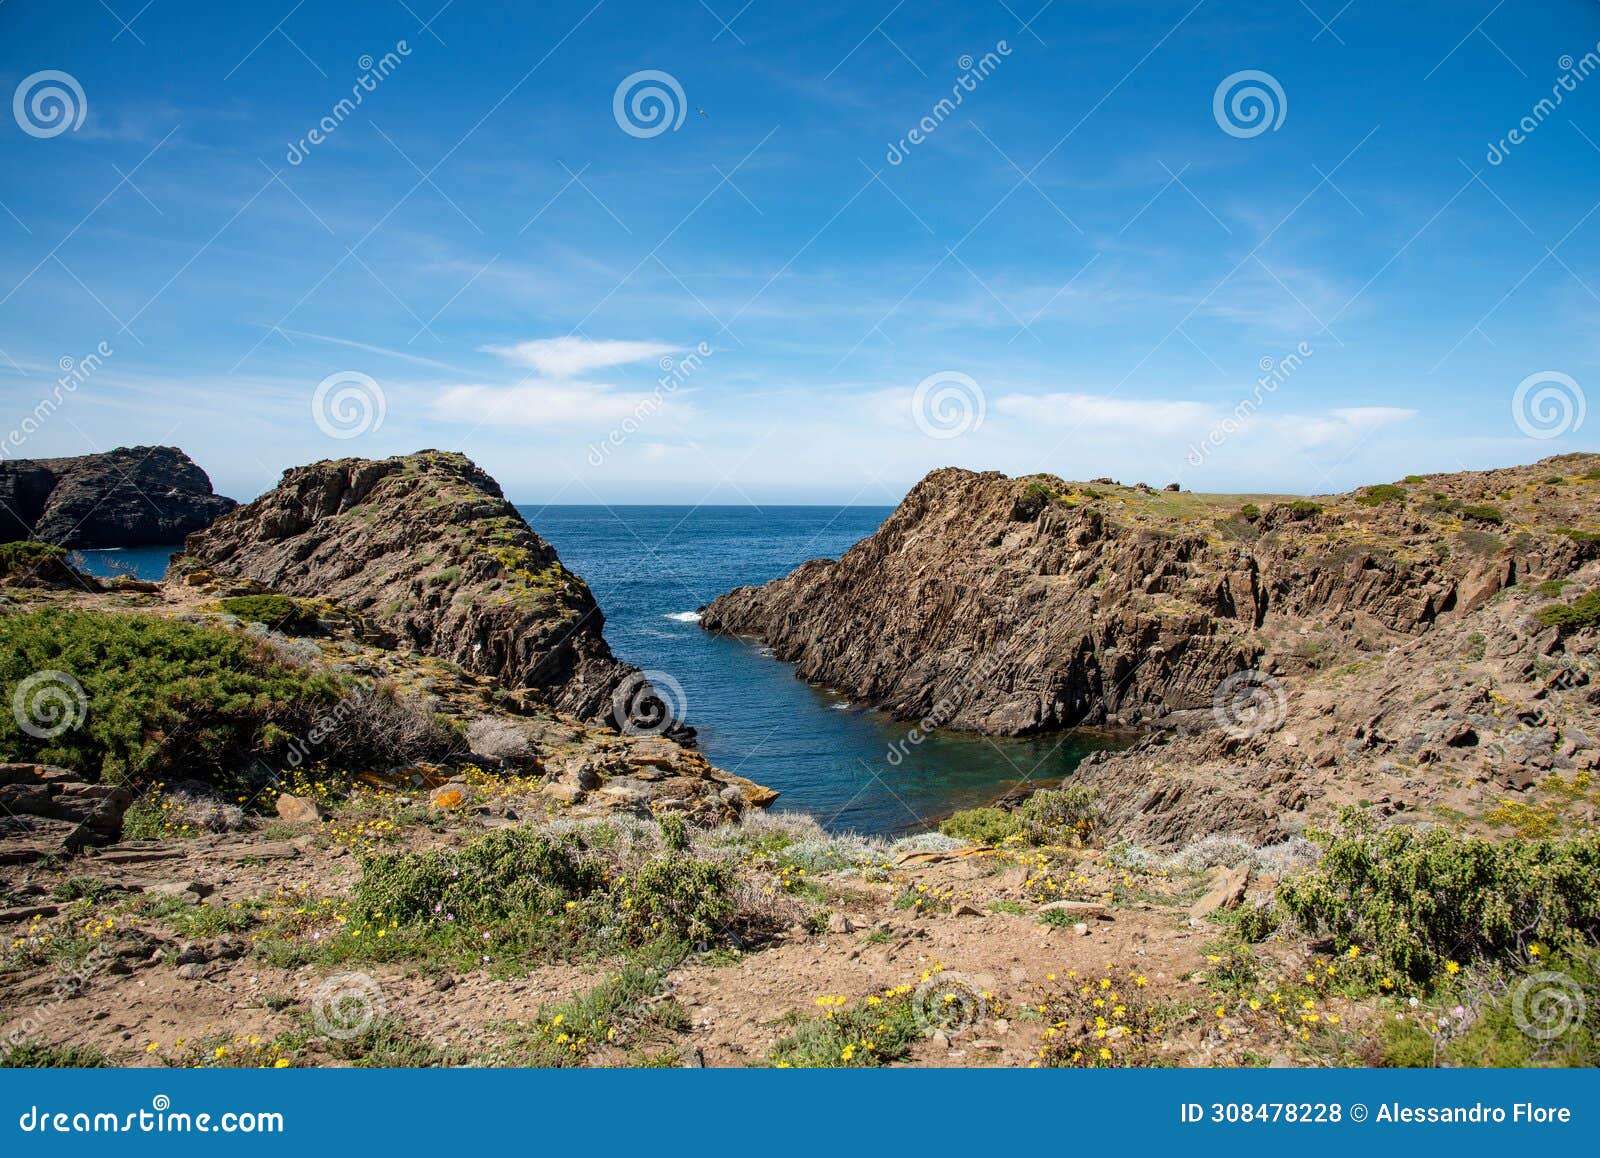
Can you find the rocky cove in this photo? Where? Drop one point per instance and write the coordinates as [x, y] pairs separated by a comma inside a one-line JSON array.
[[379, 679]]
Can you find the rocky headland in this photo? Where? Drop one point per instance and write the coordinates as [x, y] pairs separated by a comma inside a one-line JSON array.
[[128, 497], [1288, 654], [426, 546]]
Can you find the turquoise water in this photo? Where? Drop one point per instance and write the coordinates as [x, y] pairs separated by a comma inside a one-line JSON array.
[[651, 567]]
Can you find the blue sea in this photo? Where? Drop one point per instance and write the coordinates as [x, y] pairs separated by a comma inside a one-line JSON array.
[[652, 567]]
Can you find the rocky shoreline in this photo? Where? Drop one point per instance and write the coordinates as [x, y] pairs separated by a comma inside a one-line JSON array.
[[342, 790], [1290, 654]]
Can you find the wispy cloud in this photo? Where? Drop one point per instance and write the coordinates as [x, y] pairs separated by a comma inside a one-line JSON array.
[[367, 348], [540, 405], [570, 357]]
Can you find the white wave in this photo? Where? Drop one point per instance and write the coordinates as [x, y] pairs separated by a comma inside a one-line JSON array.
[[684, 616]]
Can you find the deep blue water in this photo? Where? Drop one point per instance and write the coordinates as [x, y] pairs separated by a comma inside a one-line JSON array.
[[650, 567]]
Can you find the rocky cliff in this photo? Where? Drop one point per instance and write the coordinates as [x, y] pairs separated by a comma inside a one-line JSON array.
[[1375, 632], [426, 546], [128, 497]]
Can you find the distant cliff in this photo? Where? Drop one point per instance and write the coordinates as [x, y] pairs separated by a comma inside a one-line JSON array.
[[128, 497], [427, 546]]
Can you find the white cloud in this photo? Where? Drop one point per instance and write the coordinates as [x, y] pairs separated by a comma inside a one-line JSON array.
[[569, 357], [1098, 414], [546, 405]]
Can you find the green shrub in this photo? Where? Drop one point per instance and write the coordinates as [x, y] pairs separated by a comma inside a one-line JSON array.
[[518, 877], [674, 833], [982, 825], [1250, 511], [1304, 509], [679, 896], [1584, 611], [279, 612], [24, 558], [1068, 815], [158, 697], [1382, 493], [1415, 478], [507, 873], [1484, 514], [1422, 899]]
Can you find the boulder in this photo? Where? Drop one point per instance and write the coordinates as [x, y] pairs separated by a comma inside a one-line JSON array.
[[1227, 890], [300, 809]]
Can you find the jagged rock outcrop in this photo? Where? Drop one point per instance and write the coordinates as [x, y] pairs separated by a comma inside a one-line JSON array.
[[1377, 646], [426, 546], [128, 497]]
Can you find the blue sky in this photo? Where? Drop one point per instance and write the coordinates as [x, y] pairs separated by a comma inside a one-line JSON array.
[[1088, 266]]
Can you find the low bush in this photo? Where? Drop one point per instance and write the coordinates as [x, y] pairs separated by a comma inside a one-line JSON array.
[[982, 825], [32, 1056], [1583, 611], [1069, 815], [679, 896], [505, 874], [1483, 513], [30, 558], [146, 696], [523, 877], [279, 612], [1427, 900], [1382, 493]]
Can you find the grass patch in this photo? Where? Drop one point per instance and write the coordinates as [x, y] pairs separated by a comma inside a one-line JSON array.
[[874, 1031], [32, 1056], [622, 1012]]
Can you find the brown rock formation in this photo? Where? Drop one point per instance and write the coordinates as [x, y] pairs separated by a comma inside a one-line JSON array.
[[426, 546], [127, 497], [1311, 652]]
